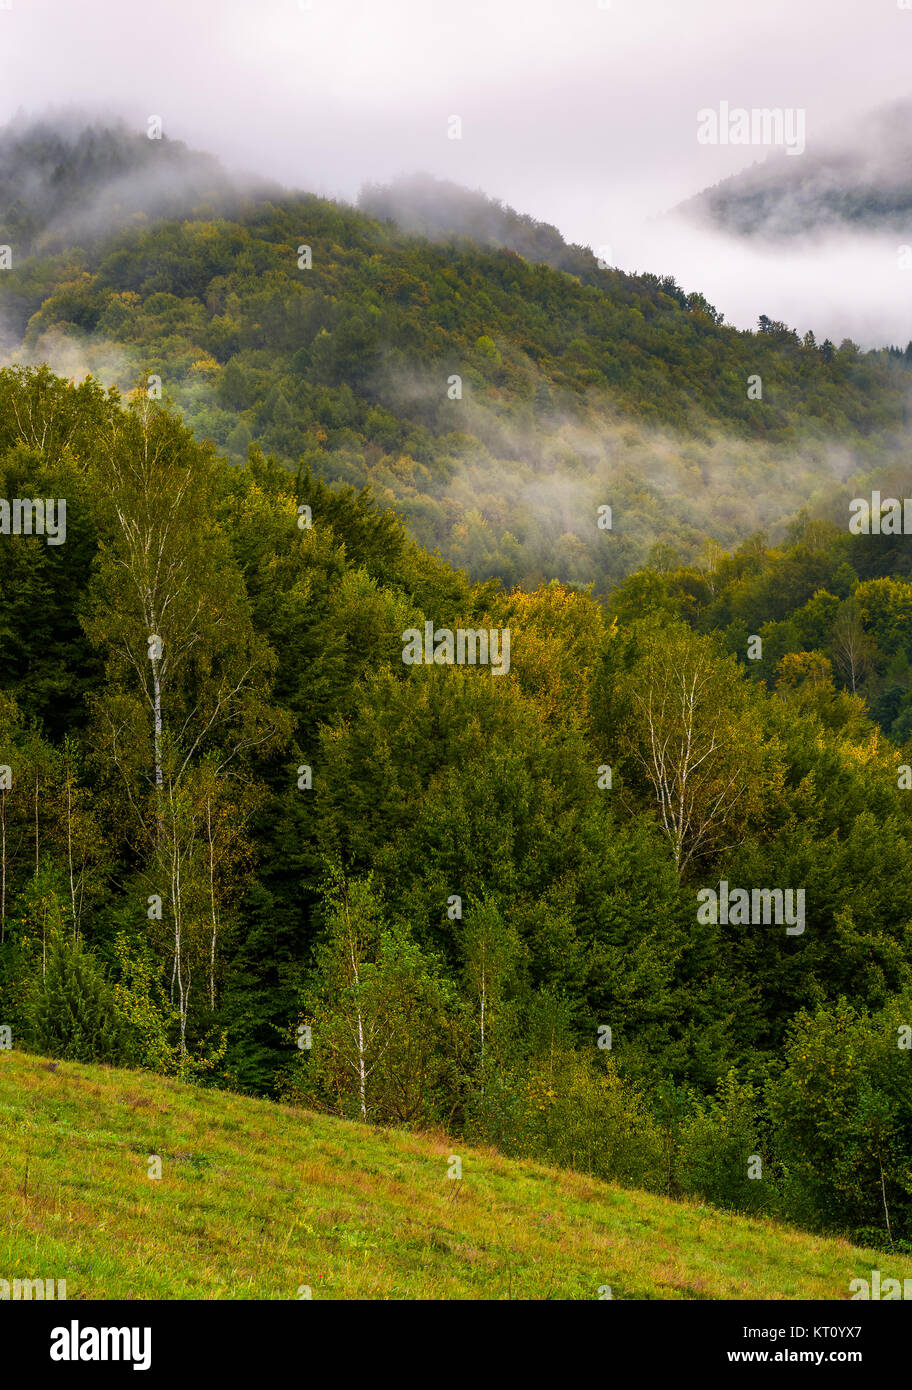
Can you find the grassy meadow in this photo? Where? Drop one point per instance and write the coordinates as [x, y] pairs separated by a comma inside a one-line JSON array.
[[256, 1201]]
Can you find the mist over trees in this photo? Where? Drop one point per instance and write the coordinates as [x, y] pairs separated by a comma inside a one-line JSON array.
[[493, 400], [243, 842], [855, 180]]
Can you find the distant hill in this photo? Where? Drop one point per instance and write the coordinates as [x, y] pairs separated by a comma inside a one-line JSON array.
[[63, 181], [489, 381], [859, 181], [444, 211]]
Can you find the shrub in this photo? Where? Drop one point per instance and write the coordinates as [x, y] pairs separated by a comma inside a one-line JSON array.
[[579, 1114], [843, 1111], [720, 1148]]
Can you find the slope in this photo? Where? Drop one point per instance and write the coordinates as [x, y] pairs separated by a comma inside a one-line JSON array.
[[257, 1200], [857, 180], [495, 401]]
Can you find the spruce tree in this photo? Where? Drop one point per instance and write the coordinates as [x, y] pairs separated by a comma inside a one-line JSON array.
[[74, 1013]]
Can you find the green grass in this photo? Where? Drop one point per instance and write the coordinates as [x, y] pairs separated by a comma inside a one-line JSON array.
[[256, 1200]]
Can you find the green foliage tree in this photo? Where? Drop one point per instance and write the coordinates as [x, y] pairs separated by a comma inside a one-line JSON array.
[[721, 1155], [842, 1106], [378, 1013], [73, 1010]]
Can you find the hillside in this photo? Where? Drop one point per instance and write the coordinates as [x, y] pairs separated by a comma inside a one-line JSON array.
[[256, 1200], [444, 211], [64, 182], [496, 400], [427, 866], [859, 180]]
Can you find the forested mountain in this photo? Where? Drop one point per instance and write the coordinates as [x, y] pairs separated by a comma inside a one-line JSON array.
[[444, 211], [859, 181], [63, 182], [247, 837], [495, 402]]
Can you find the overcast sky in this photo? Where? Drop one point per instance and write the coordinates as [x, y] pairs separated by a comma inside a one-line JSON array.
[[582, 115]]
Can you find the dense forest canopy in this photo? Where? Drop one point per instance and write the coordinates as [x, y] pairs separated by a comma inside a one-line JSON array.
[[266, 822], [243, 840]]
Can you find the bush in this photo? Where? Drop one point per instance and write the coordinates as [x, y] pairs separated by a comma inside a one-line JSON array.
[[720, 1148], [843, 1111], [581, 1115]]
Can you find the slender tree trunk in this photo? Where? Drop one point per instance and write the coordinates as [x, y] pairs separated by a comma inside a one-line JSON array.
[[178, 963], [484, 995], [157, 721], [157, 728], [3, 855], [362, 1063], [883, 1193], [362, 1074], [69, 789], [178, 942], [175, 888], [212, 905]]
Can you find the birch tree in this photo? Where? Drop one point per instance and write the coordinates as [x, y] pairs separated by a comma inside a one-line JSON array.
[[489, 949], [852, 648], [379, 1013], [695, 741], [167, 606], [187, 678], [9, 721], [78, 831], [352, 1033]]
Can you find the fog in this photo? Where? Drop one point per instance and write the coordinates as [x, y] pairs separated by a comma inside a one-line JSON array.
[[582, 113], [534, 481], [838, 285]]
